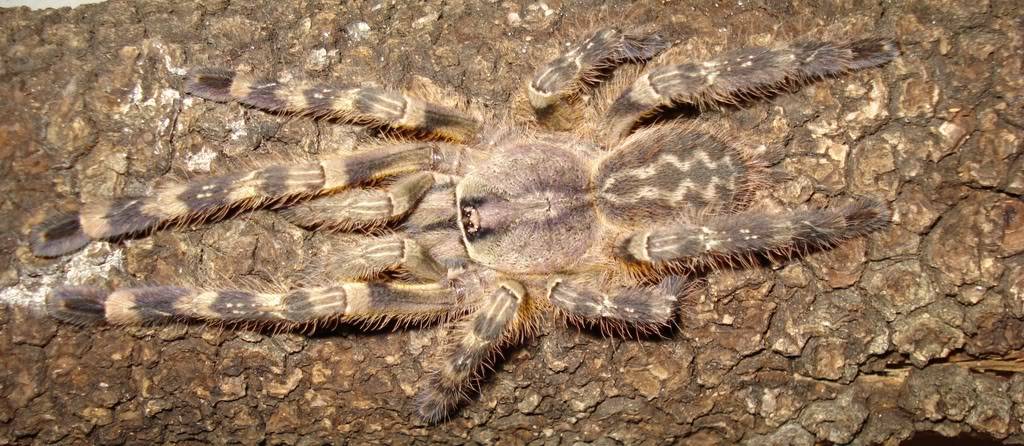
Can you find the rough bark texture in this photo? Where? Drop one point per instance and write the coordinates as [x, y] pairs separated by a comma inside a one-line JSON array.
[[917, 328]]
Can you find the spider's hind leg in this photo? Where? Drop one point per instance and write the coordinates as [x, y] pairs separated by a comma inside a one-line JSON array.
[[626, 310], [556, 84], [742, 75], [726, 237], [58, 236]]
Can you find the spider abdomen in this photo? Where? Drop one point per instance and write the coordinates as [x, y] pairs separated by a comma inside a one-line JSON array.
[[527, 209], [667, 172]]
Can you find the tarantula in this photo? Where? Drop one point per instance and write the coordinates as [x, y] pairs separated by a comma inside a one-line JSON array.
[[595, 211]]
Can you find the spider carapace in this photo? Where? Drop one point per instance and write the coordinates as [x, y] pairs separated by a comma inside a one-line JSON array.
[[599, 209]]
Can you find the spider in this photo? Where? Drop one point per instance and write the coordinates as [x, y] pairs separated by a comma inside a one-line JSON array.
[[600, 208]]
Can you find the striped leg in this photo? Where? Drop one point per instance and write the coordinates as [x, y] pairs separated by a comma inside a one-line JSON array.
[[743, 75], [58, 236], [213, 196], [732, 236], [347, 302], [362, 105], [361, 208], [625, 310], [556, 83], [368, 257], [475, 343]]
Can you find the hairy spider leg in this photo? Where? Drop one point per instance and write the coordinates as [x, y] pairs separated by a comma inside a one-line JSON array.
[[369, 106], [475, 343], [618, 310], [751, 233], [361, 208], [352, 302], [212, 197], [368, 257], [742, 75], [556, 84]]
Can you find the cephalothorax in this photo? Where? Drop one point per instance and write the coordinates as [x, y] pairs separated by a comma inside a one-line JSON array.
[[596, 214]]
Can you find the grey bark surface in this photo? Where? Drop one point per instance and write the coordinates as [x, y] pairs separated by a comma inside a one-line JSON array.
[[919, 327]]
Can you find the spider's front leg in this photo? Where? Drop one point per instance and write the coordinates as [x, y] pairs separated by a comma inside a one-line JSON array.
[[743, 75], [726, 237], [361, 208], [497, 323], [361, 105], [368, 257], [214, 196], [345, 302]]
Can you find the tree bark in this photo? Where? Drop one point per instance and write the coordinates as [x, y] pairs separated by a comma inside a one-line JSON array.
[[917, 328]]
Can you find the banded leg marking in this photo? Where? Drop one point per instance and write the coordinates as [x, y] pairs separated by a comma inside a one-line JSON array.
[[370, 165], [756, 233], [370, 257], [58, 236], [569, 73], [201, 198], [743, 75], [211, 197], [640, 309], [475, 342], [346, 302], [362, 208], [360, 105]]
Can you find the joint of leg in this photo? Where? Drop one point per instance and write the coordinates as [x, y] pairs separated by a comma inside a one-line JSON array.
[[636, 247], [514, 288], [445, 158], [408, 191], [418, 262]]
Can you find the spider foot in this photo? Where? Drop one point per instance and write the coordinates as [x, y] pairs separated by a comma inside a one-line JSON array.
[[58, 236], [78, 305]]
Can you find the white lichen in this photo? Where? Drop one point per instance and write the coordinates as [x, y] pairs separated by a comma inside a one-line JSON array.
[[317, 59], [514, 19], [238, 130], [173, 69], [169, 95], [200, 161], [358, 31], [94, 262], [134, 98]]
